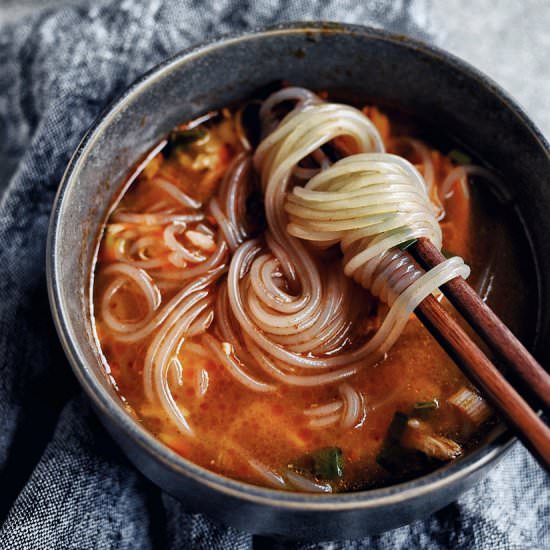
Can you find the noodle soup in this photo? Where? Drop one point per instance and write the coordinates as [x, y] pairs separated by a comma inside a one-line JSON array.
[[262, 331]]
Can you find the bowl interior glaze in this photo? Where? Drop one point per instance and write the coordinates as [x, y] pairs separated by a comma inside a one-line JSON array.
[[371, 63]]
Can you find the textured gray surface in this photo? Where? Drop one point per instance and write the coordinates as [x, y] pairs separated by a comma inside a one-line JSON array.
[[63, 483], [12, 11], [507, 39]]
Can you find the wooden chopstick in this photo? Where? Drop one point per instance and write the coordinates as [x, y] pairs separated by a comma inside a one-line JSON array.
[[486, 323], [506, 401], [509, 404]]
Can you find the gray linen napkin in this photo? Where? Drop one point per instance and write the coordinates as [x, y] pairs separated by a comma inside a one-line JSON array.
[[63, 482]]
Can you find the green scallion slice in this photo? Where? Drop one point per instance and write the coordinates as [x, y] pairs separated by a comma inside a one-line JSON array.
[[328, 463], [426, 405], [181, 139]]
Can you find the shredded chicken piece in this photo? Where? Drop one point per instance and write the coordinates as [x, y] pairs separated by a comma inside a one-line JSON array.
[[420, 436]]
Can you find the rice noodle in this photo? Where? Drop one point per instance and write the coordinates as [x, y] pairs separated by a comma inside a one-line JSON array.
[[161, 351], [201, 324], [268, 475], [228, 360], [324, 421], [144, 282], [305, 484], [301, 96], [387, 398], [425, 155], [323, 410], [201, 383], [177, 194], [233, 192], [354, 407], [229, 231], [462, 173], [349, 412], [428, 170], [139, 333], [212, 264], [154, 218], [182, 253]]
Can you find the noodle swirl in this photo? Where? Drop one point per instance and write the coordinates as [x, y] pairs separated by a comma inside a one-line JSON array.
[[283, 316], [295, 316]]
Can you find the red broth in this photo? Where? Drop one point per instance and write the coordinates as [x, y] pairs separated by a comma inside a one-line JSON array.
[[237, 429]]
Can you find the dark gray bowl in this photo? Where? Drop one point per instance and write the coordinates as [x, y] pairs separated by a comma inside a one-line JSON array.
[[416, 77]]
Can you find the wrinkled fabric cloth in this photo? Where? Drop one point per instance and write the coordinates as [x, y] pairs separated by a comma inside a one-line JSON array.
[[63, 482]]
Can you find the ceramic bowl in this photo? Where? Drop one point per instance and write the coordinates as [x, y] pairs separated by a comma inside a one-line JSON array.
[[416, 77]]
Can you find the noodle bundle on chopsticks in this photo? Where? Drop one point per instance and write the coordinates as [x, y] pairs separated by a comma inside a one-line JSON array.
[[372, 203], [295, 316]]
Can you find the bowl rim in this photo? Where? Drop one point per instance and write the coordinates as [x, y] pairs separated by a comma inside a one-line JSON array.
[[373, 498]]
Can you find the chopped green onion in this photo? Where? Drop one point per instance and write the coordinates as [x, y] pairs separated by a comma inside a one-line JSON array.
[[426, 405], [459, 157], [181, 139], [404, 245], [420, 437], [328, 463]]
